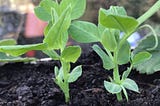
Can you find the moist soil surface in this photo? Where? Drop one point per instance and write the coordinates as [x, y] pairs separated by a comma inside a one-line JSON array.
[[28, 84]]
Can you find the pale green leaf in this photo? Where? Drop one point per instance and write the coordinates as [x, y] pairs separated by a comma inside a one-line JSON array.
[[6, 42], [150, 66], [78, 7], [121, 22], [42, 14], [75, 74], [130, 84], [71, 54], [126, 74], [43, 11], [84, 32], [141, 57], [107, 61], [124, 54], [109, 39], [112, 87], [7, 58], [47, 28], [16, 50], [57, 30]]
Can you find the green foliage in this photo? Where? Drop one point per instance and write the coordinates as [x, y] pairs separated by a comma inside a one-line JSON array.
[[75, 74], [56, 33], [152, 64], [141, 57], [84, 32], [7, 58], [117, 50], [112, 87], [6, 42], [107, 61], [116, 18], [109, 40], [16, 50], [124, 54], [71, 54]]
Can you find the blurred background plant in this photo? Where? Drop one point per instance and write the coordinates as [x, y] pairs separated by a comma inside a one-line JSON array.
[[15, 14]]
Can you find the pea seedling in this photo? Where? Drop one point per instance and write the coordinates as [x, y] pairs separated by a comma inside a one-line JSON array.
[[117, 50], [59, 16]]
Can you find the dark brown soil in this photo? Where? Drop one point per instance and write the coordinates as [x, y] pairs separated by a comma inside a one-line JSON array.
[[32, 85]]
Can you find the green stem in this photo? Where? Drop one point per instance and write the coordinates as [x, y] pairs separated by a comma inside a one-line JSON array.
[[65, 85], [66, 92], [116, 76], [149, 13], [119, 96]]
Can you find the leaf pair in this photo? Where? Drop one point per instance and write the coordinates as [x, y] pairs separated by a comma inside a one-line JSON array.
[[117, 88], [72, 77]]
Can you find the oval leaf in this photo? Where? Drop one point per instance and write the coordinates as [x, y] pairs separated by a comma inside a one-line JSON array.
[[112, 87], [71, 54], [124, 54], [84, 32], [141, 57], [107, 61], [130, 84], [109, 39], [78, 7], [42, 14], [121, 22], [75, 74], [149, 66]]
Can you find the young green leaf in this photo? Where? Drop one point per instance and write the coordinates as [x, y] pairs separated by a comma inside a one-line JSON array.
[[16, 50], [149, 66], [109, 39], [124, 54], [126, 74], [141, 57], [71, 54], [107, 61], [59, 76], [42, 14], [59, 27], [6, 42], [43, 11], [121, 22], [130, 84], [116, 10], [112, 87], [8, 58], [78, 7], [84, 32], [75, 74]]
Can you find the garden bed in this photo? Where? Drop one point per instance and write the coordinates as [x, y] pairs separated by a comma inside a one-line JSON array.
[[32, 85]]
